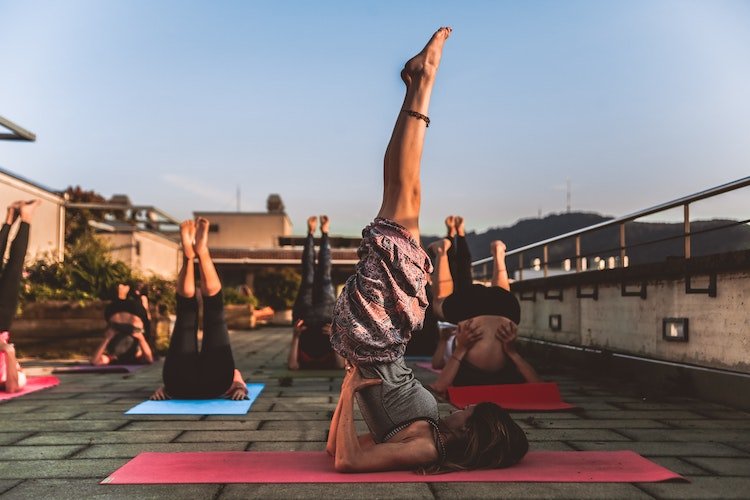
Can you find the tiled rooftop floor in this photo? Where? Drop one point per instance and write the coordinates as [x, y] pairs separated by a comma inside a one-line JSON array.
[[60, 443]]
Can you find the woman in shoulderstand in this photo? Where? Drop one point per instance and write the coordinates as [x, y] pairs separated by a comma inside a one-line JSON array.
[[209, 373], [379, 308]]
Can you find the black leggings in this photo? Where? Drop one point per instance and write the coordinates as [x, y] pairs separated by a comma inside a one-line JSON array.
[[459, 262], [10, 274], [315, 297], [189, 374]]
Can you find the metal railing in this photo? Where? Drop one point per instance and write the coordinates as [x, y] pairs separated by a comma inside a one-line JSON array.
[[620, 222]]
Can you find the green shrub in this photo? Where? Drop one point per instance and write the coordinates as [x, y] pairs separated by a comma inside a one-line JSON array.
[[277, 288], [233, 295]]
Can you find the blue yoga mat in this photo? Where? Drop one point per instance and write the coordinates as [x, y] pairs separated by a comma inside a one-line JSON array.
[[199, 406]]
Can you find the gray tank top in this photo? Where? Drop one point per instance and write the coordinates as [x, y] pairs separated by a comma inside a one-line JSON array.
[[399, 400]]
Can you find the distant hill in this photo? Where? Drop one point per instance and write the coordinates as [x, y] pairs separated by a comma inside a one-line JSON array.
[[653, 242]]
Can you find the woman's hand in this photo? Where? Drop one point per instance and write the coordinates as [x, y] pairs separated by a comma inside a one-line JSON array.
[[299, 327], [468, 333], [9, 349], [354, 381], [238, 391], [159, 395], [506, 331]]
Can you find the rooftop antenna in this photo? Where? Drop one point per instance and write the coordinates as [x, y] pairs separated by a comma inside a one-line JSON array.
[[567, 182]]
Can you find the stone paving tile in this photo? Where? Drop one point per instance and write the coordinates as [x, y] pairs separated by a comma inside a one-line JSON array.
[[517, 415], [275, 415], [37, 452], [155, 425], [12, 437], [742, 445], [599, 424], [107, 415], [54, 415], [706, 488], [56, 438], [333, 491], [536, 490], [78, 489], [216, 436], [131, 450], [551, 446], [635, 414], [576, 435], [696, 405], [52, 469], [680, 466], [306, 425], [281, 406], [61, 425], [726, 436], [727, 414], [6, 484], [17, 406], [668, 448], [709, 424], [724, 466]]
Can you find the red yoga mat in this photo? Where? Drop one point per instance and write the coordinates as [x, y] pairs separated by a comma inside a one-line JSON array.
[[317, 467], [543, 396], [33, 384]]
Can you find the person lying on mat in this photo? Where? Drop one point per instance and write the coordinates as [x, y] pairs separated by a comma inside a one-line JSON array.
[[311, 314], [209, 373], [483, 350], [12, 377], [124, 339], [375, 315]]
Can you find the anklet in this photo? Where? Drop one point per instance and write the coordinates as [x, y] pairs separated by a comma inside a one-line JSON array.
[[417, 115]]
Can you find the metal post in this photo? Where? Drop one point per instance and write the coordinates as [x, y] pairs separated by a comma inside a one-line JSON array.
[[520, 266], [579, 266], [687, 230], [622, 244], [546, 258]]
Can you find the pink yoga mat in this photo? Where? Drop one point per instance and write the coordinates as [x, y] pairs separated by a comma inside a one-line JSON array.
[[427, 365], [33, 384], [317, 467], [543, 396]]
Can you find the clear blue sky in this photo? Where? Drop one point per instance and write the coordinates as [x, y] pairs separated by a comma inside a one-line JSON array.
[[176, 103]]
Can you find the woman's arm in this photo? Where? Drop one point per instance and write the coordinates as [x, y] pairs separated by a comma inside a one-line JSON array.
[[293, 359], [11, 367], [144, 302], [438, 357], [145, 348], [351, 456], [99, 358], [467, 335], [523, 366]]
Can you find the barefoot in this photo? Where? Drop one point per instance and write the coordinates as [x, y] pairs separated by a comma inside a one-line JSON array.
[[325, 223], [460, 226], [450, 225], [425, 64], [187, 236], [312, 222], [27, 209], [440, 246], [13, 208], [498, 249], [201, 237]]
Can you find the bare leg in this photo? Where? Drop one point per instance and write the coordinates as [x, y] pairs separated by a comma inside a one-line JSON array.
[[499, 272], [210, 283], [186, 278], [460, 225], [402, 189], [442, 281]]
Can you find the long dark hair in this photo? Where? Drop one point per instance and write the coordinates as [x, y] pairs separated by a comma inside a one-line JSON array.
[[491, 440]]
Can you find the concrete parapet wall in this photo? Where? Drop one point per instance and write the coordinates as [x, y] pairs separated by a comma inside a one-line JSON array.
[[718, 327]]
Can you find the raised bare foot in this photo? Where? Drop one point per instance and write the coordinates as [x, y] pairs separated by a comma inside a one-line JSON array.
[[187, 236], [450, 225], [439, 247], [27, 209], [312, 223], [325, 224], [425, 64], [498, 248], [460, 226], [201, 237], [10, 218]]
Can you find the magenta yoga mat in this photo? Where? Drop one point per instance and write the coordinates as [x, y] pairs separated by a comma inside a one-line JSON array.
[[33, 384], [317, 467]]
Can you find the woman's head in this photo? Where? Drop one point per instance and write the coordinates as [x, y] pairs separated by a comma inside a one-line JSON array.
[[482, 436]]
